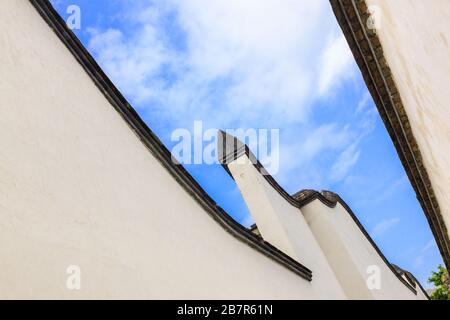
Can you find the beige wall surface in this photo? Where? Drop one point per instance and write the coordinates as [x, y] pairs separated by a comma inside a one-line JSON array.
[[77, 187], [415, 36]]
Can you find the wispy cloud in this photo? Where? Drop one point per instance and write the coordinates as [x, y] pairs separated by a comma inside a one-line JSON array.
[[430, 244], [395, 186], [336, 64], [301, 154], [237, 64], [384, 226], [247, 221]]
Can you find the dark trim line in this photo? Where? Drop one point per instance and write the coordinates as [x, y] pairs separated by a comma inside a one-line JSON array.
[[368, 52], [230, 148], [155, 146]]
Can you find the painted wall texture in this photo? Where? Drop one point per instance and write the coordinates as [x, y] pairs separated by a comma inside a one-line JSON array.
[[78, 187], [415, 37]]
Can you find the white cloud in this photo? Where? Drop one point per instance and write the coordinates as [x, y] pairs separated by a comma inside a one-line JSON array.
[[420, 259], [384, 226], [430, 244], [347, 159], [336, 64], [234, 63], [325, 137], [132, 63], [394, 186], [363, 102]]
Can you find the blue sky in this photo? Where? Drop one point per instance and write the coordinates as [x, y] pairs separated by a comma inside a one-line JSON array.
[[263, 64]]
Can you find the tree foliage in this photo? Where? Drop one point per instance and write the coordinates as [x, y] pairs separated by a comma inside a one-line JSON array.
[[441, 281]]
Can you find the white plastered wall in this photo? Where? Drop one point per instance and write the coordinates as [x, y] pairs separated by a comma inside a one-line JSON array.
[[283, 225], [77, 187]]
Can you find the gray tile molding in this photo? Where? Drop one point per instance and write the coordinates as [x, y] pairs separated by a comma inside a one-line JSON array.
[[163, 155], [365, 45], [231, 148], [408, 275], [155, 146]]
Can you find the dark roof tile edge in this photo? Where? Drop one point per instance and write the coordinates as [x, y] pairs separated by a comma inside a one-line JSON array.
[[155, 146], [334, 197], [366, 48]]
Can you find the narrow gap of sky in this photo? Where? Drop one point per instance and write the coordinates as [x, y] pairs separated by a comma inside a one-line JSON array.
[[263, 64]]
